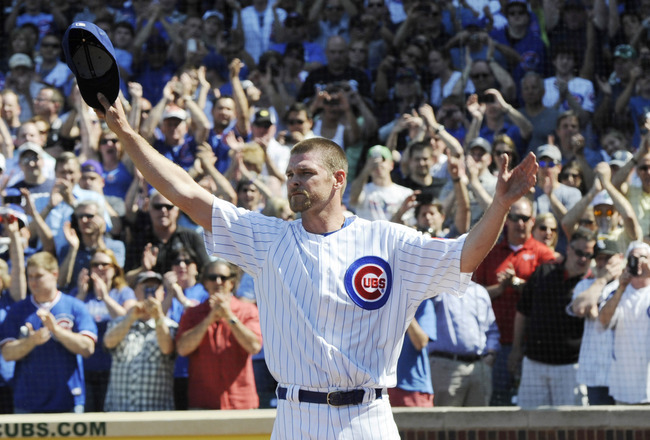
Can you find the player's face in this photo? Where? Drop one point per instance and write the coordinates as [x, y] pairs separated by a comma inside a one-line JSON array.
[[309, 184], [41, 282]]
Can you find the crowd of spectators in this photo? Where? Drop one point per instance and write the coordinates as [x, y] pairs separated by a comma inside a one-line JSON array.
[[429, 100]]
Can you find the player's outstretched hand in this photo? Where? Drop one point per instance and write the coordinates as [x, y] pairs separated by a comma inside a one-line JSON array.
[[113, 114], [513, 185]]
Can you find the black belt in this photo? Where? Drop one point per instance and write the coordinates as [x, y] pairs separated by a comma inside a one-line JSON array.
[[469, 358], [334, 398]]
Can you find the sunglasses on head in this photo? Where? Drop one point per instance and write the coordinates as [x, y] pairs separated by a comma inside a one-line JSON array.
[[216, 276], [160, 206], [516, 217]]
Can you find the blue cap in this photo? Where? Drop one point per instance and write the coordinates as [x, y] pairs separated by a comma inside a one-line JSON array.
[[90, 55]]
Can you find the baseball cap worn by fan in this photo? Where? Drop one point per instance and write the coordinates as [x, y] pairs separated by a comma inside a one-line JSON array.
[[607, 247], [148, 275], [602, 198], [481, 143], [380, 151], [550, 151], [263, 116], [92, 166], [90, 55], [620, 158], [30, 146], [625, 51], [20, 60], [174, 112]]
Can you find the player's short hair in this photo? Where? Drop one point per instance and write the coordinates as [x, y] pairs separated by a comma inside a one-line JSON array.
[[332, 155], [43, 260]]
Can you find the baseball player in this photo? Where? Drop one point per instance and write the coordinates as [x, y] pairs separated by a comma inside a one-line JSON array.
[[335, 294]]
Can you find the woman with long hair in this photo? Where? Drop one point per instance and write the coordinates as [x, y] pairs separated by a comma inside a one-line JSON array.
[[503, 144], [103, 288], [545, 231]]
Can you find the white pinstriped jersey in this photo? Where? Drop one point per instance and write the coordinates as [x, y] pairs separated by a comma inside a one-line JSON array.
[[320, 297]]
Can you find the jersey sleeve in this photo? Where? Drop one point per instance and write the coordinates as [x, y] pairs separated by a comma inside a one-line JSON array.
[[84, 324], [430, 266], [240, 236]]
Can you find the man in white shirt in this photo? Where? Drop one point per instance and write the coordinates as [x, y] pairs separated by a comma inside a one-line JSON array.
[[380, 198], [626, 311]]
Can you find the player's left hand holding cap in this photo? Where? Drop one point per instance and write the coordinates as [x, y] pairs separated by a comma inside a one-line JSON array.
[[90, 55]]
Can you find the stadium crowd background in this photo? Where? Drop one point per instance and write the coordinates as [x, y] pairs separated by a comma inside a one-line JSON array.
[[225, 88]]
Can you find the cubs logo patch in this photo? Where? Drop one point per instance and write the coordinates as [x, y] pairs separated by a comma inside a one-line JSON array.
[[368, 282], [65, 322]]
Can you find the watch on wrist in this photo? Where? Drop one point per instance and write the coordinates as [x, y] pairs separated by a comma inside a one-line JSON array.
[[516, 281], [233, 321], [439, 128]]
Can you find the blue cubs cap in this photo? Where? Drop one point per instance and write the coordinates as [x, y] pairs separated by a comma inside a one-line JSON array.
[[90, 55]]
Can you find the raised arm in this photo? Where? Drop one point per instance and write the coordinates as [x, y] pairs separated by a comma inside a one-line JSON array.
[[168, 178], [511, 186], [622, 205]]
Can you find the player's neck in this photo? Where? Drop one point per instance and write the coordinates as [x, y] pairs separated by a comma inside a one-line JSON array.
[[323, 222]]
